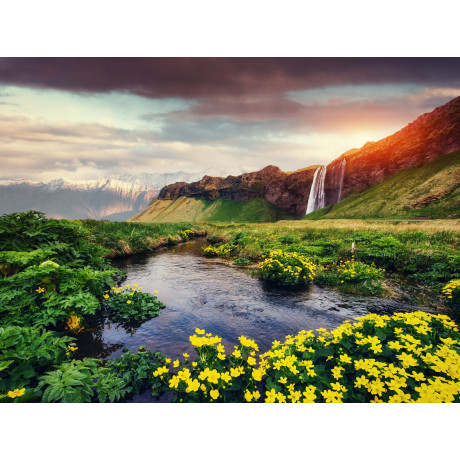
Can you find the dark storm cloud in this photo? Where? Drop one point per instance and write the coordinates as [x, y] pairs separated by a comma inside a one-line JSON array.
[[191, 78]]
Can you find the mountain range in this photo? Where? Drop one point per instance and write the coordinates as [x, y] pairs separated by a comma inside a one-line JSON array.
[[356, 172], [112, 197]]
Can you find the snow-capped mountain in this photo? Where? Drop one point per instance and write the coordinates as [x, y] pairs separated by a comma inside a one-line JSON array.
[[113, 197]]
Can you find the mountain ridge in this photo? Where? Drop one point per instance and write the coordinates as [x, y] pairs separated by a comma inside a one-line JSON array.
[[430, 135]]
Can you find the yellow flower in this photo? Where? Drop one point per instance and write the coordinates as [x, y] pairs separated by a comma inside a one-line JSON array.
[[155, 292], [106, 296], [237, 354], [128, 302], [199, 331], [234, 372], [167, 360], [248, 396], [185, 355], [176, 363], [214, 394], [15, 393], [40, 290], [251, 361]]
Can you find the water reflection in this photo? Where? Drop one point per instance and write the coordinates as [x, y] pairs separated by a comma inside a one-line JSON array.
[[226, 301]]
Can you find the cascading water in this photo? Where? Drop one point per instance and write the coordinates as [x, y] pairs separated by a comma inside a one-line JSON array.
[[316, 199], [343, 163]]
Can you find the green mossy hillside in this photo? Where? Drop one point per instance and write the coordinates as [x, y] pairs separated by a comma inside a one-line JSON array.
[[186, 209], [431, 190]]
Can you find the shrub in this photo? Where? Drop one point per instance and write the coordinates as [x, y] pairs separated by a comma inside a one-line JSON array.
[[387, 252], [211, 251], [136, 369], [224, 250], [353, 276], [407, 357], [172, 240], [452, 292], [130, 304], [287, 268], [186, 235]]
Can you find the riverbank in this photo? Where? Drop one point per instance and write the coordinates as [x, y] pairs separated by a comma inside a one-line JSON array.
[[418, 257], [128, 238]]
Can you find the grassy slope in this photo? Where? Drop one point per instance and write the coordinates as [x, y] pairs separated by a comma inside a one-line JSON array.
[[438, 180], [187, 209]]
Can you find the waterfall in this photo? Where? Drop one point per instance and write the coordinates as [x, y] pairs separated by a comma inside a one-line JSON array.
[[343, 163], [316, 199]]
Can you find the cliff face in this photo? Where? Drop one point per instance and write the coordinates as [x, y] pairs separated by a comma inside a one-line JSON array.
[[288, 191], [429, 136]]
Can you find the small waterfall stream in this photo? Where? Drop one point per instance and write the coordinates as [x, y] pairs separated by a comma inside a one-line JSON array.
[[343, 163]]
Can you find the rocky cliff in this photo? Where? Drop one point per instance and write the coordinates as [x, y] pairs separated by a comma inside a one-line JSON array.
[[429, 136], [288, 191]]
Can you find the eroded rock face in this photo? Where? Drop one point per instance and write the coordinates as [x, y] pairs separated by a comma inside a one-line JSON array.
[[288, 191], [429, 136]]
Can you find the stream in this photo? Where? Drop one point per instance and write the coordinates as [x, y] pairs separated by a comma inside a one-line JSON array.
[[208, 294]]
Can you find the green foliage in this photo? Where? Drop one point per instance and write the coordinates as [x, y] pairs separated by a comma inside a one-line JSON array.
[[241, 262], [71, 382], [129, 237], [186, 235], [451, 292], [353, 276], [111, 388], [25, 353], [136, 369], [130, 304], [64, 241], [46, 294], [287, 268], [172, 240]]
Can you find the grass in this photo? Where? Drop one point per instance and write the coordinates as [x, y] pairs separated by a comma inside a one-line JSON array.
[[186, 209], [431, 191], [419, 256], [124, 238]]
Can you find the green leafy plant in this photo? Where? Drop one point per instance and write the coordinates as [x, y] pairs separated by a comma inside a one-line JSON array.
[[25, 353], [136, 369], [71, 382], [242, 262], [131, 304]]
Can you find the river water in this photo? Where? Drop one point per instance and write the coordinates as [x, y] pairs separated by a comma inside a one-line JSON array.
[[207, 294]]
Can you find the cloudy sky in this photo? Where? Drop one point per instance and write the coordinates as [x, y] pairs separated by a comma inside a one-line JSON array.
[[81, 118]]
